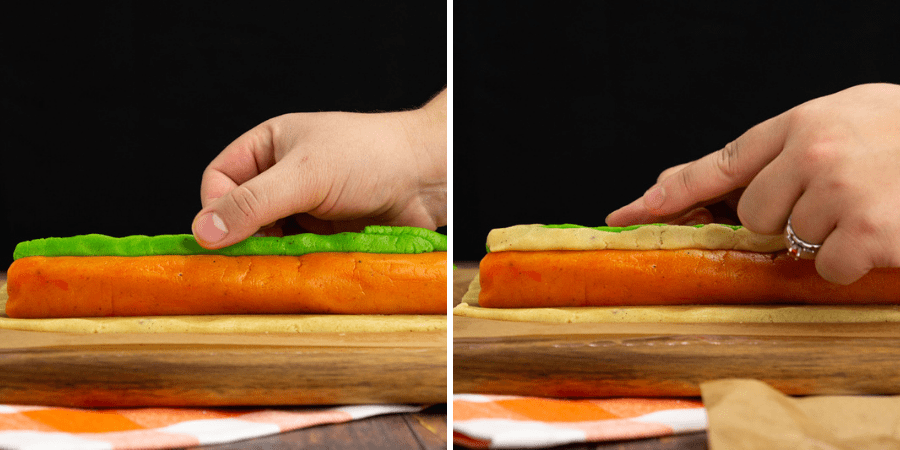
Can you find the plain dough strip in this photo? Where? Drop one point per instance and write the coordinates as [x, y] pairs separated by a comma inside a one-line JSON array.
[[537, 237], [233, 324]]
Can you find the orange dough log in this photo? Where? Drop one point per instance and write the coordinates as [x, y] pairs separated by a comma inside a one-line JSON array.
[[668, 277], [339, 283]]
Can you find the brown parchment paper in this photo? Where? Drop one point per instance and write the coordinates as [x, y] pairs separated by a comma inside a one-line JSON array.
[[750, 415]]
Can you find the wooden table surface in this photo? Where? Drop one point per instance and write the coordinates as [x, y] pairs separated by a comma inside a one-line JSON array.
[[463, 275], [426, 430]]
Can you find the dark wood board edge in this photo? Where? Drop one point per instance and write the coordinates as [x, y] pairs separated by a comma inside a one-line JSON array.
[[223, 376], [672, 366]]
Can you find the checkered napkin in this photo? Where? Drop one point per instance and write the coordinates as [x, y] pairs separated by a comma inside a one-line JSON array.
[[38, 427], [485, 421]]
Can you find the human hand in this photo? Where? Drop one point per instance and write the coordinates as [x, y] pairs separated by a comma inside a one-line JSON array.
[[831, 164], [328, 172]]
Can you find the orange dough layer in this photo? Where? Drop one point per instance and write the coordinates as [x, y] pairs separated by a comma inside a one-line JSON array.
[[339, 283], [668, 277]]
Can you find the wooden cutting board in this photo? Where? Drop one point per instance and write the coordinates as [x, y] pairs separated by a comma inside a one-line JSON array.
[[221, 370], [187, 369], [668, 360]]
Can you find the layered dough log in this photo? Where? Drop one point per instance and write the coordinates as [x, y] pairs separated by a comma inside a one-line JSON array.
[[537, 279], [316, 283]]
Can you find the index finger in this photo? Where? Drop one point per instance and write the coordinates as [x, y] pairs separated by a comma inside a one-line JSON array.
[[243, 159], [719, 172]]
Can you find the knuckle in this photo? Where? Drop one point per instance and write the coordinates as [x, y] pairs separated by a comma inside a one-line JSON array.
[[274, 128], [865, 226], [820, 155], [870, 226], [841, 183], [806, 113], [246, 202], [875, 236], [686, 180], [669, 172], [663, 175], [727, 161], [820, 143]]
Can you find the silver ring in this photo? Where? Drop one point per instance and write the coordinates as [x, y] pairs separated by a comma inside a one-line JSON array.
[[798, 248]]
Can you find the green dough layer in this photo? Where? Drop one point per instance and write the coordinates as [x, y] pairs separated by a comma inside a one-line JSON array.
[[373, 239]]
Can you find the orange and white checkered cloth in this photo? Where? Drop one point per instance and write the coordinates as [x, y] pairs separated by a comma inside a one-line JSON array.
[[39, 427], [492, 421]]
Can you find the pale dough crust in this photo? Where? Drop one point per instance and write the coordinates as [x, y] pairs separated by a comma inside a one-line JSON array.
[[308, 323], [670, 237], [678, 314]]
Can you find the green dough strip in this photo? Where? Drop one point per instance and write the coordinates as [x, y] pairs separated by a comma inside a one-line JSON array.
[[374, 239]]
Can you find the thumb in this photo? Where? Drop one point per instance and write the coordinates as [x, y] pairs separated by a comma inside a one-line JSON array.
[[719, 172], [241, 212]]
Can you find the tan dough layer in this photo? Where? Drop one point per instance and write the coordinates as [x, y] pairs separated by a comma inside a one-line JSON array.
[[311, 323], [678, 314], [670, 237]]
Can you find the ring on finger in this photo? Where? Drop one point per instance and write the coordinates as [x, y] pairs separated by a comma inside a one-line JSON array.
[[798, 248]]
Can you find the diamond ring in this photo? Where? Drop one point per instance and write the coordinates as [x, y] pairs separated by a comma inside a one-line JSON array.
[[798, 248]]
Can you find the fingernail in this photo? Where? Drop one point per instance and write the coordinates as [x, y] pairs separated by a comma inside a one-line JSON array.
[[211, 228], [655, 197]]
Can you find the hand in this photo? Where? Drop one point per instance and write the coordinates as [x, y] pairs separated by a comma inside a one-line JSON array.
[[328, 172], [831, 164]]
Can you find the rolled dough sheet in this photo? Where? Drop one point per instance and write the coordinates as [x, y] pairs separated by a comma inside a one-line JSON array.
[[306, 323], [678, 314]]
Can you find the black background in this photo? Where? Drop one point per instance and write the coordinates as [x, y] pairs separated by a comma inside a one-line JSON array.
[[565, 111], [111, 110]]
